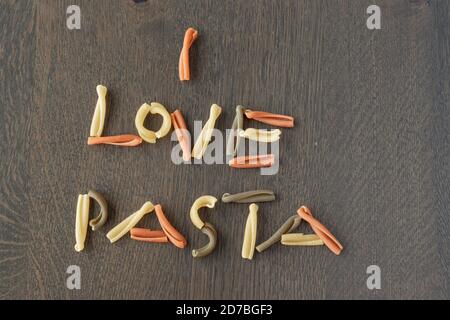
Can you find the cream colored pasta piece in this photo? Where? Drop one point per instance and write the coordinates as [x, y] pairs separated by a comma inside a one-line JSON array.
[[206, 134], [98, 120], [248, 246], [154, 108], [81, 222], [122, 228], [203, 201], [300, 239], [101, 218], [261, 135]]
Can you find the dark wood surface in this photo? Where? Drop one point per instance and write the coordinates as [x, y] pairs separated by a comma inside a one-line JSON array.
[[369, 154]]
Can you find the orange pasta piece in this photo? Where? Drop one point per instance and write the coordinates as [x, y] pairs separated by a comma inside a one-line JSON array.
[[189, 38], [125, 140], [147, 235], [184, 138], [328, 239], [172, 234], [273, 119], [247, 162]]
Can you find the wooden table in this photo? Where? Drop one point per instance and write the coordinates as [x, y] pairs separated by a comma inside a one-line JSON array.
[[369, 154]]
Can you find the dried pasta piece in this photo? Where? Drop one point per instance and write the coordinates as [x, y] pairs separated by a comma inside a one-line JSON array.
[[237, 127], [261, 135], [209, 230], [172, 234], [147, 235], [124, 140], [184, 69], [329, 240], [154, 108], [249, 196], [183, 135], [203, 201], [249, 162], [300, 239], [273, 119], [206, 134], [81, 221], [291, 224], [206, 228], [122, 228], [248, 246], [101, 218], [98, 120]]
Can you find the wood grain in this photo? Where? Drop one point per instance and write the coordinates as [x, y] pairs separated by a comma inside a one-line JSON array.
[[369, 154]]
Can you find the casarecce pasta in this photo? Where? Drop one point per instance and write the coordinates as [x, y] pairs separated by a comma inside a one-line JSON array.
[[328, 239], [206, 134], [236, 128], [249, 196], [183, 135], [250, 162], [168, 233], [248, 246], [98, 123], [206, 228], [261, 135], [98, 120], [273, 119], [300, 239], [291, 224], [154, 108], [82, 217], [81, 222], [126, 225], [183, 67]]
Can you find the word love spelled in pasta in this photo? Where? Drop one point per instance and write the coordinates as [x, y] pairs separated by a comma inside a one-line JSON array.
[[82, 217], [154, 108], [328, 239], [183, 65], [273, 119], [249, 196], [168, 232], [206, 134], [248, 246], [98, 123], [206, 228], [126, 225]]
